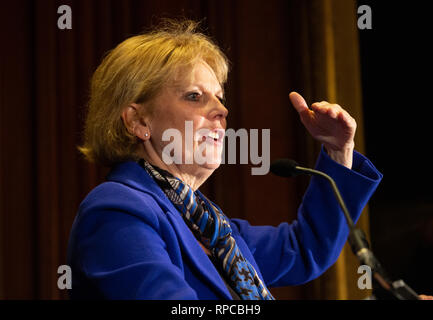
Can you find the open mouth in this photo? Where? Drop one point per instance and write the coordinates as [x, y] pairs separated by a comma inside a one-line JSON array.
[[214, 136]]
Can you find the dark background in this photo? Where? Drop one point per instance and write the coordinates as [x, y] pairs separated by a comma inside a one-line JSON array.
[[396, 80], [274, 47]]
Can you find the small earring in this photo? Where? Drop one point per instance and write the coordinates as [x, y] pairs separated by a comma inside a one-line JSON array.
[[146, 134]]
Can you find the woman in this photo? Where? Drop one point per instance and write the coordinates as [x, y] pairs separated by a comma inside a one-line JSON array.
[[148, 232]]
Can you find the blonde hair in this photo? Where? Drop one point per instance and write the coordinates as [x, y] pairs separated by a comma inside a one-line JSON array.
[[134, 72]]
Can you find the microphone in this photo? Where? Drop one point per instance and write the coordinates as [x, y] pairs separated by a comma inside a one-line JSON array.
[[289, 168], [285, 168], [357, 239]]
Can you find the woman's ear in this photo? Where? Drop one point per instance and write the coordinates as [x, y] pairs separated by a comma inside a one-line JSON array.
[[134, 122]]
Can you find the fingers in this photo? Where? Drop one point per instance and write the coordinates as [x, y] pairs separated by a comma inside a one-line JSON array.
[[323, 108], [334, 111], [298, 102]]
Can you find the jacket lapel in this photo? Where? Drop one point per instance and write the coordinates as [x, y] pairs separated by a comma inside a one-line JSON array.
[[196, 256], [133, 175]]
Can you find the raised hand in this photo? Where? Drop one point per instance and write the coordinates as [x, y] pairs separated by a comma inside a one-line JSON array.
[[329, 124]]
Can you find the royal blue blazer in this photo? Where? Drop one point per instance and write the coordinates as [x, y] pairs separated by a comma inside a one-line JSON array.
[[129, 242]]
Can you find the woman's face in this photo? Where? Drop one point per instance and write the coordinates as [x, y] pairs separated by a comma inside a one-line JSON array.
[[193, 106]]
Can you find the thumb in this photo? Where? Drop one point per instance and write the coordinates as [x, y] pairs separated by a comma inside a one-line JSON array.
[[298, 102]]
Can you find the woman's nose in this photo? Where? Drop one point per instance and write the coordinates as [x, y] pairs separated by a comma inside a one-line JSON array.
[[219, 111]]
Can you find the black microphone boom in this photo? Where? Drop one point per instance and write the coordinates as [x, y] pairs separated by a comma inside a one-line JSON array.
[[357, 239], [289, 168]]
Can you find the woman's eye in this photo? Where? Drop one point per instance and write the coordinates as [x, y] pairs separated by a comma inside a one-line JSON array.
[[193, 96]]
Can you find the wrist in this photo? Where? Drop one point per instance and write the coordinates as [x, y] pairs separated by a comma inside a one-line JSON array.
[[342, 156]]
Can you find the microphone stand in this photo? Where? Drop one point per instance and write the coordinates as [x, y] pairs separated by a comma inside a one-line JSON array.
[[361, 248]]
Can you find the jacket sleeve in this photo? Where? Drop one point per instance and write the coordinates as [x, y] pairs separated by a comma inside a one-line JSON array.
[[124, 256], [295, 253]]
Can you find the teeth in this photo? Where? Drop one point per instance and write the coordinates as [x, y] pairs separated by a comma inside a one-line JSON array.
[[213, 135]]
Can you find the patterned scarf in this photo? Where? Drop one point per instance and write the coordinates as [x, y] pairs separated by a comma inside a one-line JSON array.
[[211, 227]]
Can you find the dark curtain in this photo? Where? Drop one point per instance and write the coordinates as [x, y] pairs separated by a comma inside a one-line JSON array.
[[274, 47]]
